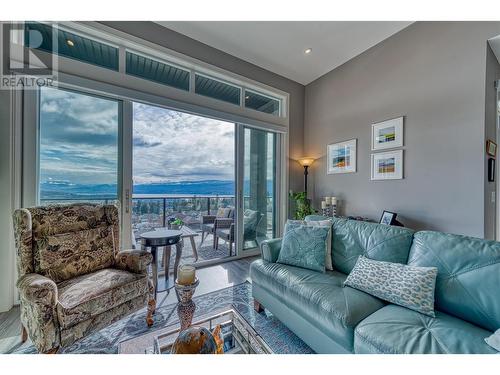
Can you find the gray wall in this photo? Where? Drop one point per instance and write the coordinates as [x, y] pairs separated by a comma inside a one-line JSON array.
[[490, 122], [6, 248], [190, 47], [433, 73]]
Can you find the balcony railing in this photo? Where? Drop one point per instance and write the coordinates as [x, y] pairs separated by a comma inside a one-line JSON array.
[[150, 211]]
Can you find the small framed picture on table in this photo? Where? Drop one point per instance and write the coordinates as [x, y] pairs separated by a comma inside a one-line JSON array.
[[388, 218]]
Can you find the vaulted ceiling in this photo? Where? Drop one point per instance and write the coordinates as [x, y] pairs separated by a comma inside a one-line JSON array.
[[280, 46]]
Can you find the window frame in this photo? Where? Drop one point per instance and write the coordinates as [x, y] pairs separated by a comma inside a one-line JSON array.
[[113, 37]]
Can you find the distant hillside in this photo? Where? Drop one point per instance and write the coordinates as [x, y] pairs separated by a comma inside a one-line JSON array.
[[61, 190]]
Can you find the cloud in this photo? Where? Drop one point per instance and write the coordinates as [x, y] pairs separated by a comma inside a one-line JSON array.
[[79, 142], [191, 147]]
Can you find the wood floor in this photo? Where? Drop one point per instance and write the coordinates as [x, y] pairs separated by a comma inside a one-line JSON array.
[[211, 279]]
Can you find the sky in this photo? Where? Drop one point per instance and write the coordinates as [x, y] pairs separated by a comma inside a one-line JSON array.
[[79, 142]]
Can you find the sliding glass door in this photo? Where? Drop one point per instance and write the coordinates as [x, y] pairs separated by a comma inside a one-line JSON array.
[[259, 187], [184, 170], [78, 147], [157, 164]]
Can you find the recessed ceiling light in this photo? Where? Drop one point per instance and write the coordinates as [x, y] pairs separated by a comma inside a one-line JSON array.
[[70, 43], [308, 51]]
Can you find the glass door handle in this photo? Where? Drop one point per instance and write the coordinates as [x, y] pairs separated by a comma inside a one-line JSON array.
[[127, 201]]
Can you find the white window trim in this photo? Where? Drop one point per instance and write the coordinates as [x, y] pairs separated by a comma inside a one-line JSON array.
[[124, 41]]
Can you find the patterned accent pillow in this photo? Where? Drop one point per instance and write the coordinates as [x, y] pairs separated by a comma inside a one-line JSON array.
[[304, 246], [321, 223], [407, 286]]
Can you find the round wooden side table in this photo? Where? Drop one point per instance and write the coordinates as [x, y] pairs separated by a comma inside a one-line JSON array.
[[163, 238]]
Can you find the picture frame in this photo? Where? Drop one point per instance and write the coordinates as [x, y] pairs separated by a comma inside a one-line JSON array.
[[387, 165], [387, 134], [491, 148], [341, 157], [388, 218]]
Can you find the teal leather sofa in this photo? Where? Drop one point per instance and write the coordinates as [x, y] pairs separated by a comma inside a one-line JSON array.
[[335, 319]]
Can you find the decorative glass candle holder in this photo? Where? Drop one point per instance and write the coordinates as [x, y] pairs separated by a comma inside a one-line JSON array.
[[185, 292]]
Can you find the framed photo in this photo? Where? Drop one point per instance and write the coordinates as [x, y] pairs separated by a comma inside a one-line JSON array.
[[342, 157], [491, 148], [387, 165], [388, 218], [387, 134]]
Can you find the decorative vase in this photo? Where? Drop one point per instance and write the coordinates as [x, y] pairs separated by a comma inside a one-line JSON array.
[[185, 292], [186, 307]]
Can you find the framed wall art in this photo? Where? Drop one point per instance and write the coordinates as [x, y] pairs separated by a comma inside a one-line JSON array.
[[387, 134], [387, 165], [341, 157]]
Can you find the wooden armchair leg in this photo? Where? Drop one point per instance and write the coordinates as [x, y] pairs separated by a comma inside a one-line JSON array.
[[257, 306], [151, 311], [24, 334]]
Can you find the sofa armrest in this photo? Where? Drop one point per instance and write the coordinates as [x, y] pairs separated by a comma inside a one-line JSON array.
[[270, 249], [208, 219], [37, 289], [136, 261]]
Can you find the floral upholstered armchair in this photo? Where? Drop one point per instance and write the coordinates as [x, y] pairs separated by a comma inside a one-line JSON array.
[[73, 279]]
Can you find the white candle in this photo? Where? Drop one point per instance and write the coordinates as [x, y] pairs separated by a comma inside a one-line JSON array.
[[328, 200], [186, 274], [334, 201], [323, 204]]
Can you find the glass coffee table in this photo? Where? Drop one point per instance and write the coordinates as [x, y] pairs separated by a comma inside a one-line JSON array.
[[239, 336]]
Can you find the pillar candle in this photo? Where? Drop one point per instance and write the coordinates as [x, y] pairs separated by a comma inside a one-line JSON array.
[[334, 200], [328, 200], [323, 204], [186, 274]]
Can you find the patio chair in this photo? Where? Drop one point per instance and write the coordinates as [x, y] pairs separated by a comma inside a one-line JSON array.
[[251, 221], [210, 223]]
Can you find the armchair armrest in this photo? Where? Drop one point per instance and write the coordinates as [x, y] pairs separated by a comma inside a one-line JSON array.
[[136, 261], [223, 223], [270, 249], [38, 300], [208, 219], [37, 289]]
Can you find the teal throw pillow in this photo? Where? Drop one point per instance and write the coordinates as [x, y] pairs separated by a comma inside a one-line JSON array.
[[407, 286], [304, 246]]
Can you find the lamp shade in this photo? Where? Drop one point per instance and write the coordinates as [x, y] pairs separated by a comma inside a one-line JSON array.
[[306, 162]]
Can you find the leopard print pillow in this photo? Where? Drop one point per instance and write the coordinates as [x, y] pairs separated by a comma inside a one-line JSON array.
[[407, 286]]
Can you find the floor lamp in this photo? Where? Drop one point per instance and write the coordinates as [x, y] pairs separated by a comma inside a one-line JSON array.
[[306, 163]]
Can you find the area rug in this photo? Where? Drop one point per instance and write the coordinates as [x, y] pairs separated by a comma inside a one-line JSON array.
[[106, 341]]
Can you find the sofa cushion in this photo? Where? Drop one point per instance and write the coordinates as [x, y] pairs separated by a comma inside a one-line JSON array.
[[397, 330], [352, 238], [322, 223], [89, 295], [408, 286], [304, 246], [66, 255], [468, 275], [317, 297]]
